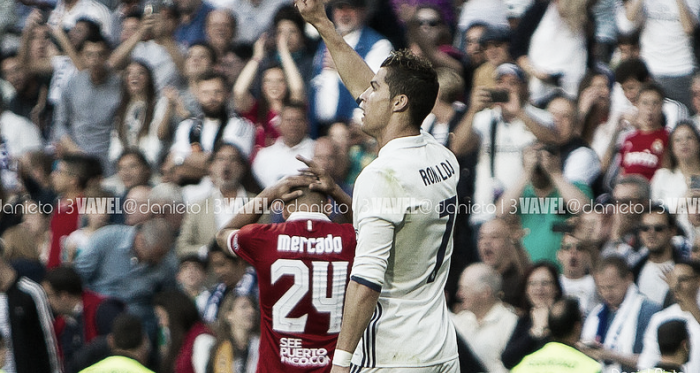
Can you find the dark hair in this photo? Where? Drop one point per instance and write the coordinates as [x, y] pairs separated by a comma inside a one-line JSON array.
[[553, 272], [96, 39], [670, 335], [244, 51], [214, 247], [93, 27], [65, 279], [413, 76], [687, 123], [208, 47], [563, 317], [135, 152], [631, 38], [653, 87], [82, 167], [289, 13], [223, 326], [194, 258], [615, 261], [127, 332], [632, 69], [137, 15], [592, 118], [182, 316], [247, 180], [126, 99], [294, 105], [657, 208], [211, 75], [693, 264]]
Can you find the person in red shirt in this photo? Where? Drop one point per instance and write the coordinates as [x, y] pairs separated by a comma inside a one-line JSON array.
[[303, 268], [642, 152]]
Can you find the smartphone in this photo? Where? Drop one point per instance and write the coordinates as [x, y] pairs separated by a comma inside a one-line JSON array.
[[499, 95], [151, 7], [695, 182]]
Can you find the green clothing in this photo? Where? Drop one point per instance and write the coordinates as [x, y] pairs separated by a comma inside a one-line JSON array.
[[538, 216], [117, 364], [556, 357]]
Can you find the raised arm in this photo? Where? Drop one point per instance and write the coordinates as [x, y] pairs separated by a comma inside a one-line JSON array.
[[353, 70], [465, 138], [42, 66], [295, 81], [688, 20], [67, 46], [242, 98], [120, 56]]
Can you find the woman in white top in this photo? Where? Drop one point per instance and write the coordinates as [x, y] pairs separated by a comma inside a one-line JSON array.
[[671, 183], [141, 118]]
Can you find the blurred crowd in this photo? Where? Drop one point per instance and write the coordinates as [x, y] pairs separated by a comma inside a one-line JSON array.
[[575, 124]]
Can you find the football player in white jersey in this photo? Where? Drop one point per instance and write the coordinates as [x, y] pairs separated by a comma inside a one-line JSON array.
[[395, 317]]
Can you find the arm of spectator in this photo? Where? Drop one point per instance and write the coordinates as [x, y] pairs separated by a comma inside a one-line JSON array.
[[688, 20], [465, 138], [41, 66], [201, 350], [544, 133], [430, 50], [526, 65], [243, 100], [611, 150], [170, 45], [167, 104], [119, 58], [87, 264], [295, 82], [521, 344], [354, 72], [67, 46], [634, 11], [511, 195]]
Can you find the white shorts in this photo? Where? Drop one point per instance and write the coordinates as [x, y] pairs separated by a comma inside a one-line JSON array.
[[451, 366]]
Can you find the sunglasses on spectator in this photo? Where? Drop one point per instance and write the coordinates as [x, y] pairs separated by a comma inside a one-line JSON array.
[[570, 246], [657, 228], [429, 22]]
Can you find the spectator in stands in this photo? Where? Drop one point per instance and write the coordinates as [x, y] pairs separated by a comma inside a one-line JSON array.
[[187, 348], [67, 13], [70, 179], [329, 99], [81, 315], [560, 355], [542, 178], [629, 197], [143, 119], [84, 117], [498, 250], [229, 171], [576, 260], [429, 35], [95, 218], [18, 136], [495, 43], [30, 90], [484, 322], [27, 243], [541, 288], [449, 108], [614, 330], [280, 84], [684, 282], [196, 138], [253, 17], [237, 336], [278, 160], [220, 29], [129, 348], [26, 325], [232, 62], [502, 130], [191, 277], [674, 346], [193, 16], [233, 277]]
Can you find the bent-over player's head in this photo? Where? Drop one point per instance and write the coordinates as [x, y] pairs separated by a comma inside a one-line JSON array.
[[309, 201], [674, 340], [565, 321], [414, 77], [127, 337]]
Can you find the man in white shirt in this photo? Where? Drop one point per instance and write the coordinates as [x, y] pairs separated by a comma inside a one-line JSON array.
[[484, 321], [575, 279], [67, 13], [279, 159]]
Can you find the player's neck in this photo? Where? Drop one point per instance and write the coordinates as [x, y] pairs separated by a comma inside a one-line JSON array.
[[394, 131]]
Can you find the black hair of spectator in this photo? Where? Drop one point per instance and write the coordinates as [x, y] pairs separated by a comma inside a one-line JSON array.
[[247, 180], [83, 167], [640, 182], [127, 332], [211, 75], [289, 13], [244, 51], [693, 264], [614, 261], [10, 54], [65, 279], [415, 77], [295, 105], [2, 341], [653, 87], [553, 272], [632, 69], [657, 208], [214, 247], [182, 315], [631, 38], [563, 317], [671, 335], [196, 259], [477, 24], [134, 14], [93, 27], [151, 98], [96, 39], [136, 153], [208, 47]]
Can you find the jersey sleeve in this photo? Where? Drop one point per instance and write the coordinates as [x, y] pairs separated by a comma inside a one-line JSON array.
[[379, 207], [239, 243]]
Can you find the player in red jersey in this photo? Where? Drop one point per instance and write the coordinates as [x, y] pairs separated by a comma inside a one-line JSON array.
[[303, 268]]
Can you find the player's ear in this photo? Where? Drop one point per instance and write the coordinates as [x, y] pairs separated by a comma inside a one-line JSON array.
[[399, 103]]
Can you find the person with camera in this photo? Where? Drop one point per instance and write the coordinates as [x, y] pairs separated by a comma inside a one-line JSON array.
[[503, 123], [543, 199]]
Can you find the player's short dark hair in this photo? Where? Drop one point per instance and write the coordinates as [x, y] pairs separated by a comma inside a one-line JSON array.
[[127, 332], [564, 315], [632, 69], [208, 47], [415, 77], [670, 335], [65, 279], [615, 261]]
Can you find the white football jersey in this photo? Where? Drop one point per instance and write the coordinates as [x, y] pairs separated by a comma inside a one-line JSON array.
[[404, 206]]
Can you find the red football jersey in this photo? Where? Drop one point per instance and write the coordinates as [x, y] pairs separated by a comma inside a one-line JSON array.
[[642, 153], [303, 268]]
